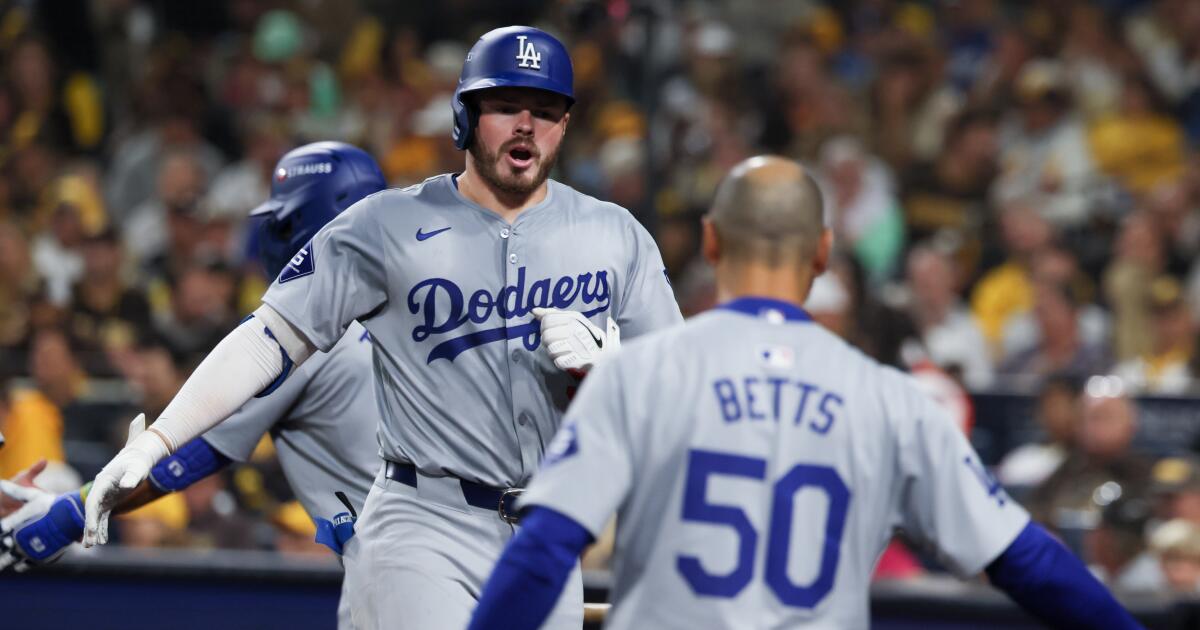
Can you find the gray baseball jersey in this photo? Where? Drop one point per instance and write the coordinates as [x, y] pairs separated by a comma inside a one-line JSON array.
[[759, 466], [322, 420], [446, 288]]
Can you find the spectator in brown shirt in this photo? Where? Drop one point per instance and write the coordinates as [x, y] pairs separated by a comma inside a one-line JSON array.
[[1100, 461]]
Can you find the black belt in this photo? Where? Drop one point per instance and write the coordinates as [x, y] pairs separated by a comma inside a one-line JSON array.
[[502, 500]]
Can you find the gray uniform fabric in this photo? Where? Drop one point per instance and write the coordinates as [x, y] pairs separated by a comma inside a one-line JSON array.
[[758, 467], [446, 289], [422, 555], [322, 420]]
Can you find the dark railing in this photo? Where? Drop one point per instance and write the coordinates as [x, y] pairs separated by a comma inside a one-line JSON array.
[[234, 590], [1003, 421]]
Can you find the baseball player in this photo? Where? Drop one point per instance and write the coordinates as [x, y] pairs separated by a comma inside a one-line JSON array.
[[759, 465], [322, 418], [460, 280]]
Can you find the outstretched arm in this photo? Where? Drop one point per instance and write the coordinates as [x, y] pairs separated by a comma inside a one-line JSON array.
[[45, 525], [1049, 582], [253, 358]]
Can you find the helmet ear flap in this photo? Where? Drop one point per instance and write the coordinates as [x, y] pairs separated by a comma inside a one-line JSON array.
[[472, 107], [466, 119]]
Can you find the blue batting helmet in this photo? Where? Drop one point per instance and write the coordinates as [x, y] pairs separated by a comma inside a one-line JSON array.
[[514, 56], [309, 187]]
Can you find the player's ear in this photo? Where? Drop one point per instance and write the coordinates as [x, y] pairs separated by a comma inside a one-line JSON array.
[[824, 249], [566, 119], [710, 242]]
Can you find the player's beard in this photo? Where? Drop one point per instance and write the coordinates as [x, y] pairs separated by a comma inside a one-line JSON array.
[[487, 163]]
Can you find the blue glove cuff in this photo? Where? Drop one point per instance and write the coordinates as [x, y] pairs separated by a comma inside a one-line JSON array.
[[44, 538], [336, 533]]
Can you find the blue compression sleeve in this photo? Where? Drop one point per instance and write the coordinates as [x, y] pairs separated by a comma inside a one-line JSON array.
[[529, 577], [1049, 582], [191, 463]]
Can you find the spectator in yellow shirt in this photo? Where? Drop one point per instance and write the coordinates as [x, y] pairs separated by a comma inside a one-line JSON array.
[[34, 427], [32, 431], [1007, 290], [1138, 145]]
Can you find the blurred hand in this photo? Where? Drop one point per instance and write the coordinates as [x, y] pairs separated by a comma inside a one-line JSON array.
[[24, 478], [41, 530]]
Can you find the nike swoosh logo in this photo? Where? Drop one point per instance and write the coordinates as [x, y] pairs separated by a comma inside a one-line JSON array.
[[599, 341], [424, 235]]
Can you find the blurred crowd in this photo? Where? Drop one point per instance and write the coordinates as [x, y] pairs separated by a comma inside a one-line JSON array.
[[1014, 189]]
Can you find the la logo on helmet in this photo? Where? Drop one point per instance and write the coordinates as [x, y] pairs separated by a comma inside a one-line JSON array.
[[527, 55]]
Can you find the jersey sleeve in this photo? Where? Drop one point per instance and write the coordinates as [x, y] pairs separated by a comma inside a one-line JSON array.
[[237, 436], [647, 301], [949, 500], [338, 277], [587, 470]]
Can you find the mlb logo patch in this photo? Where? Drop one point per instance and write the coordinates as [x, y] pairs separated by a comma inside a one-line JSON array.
[[777, 357], [564, 445], [299, 266]]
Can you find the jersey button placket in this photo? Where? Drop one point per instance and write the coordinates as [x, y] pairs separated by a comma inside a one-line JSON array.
[[527, 439]]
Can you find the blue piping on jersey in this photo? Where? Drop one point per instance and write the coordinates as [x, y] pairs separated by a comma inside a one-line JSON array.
[[288, 364], [755, 306]]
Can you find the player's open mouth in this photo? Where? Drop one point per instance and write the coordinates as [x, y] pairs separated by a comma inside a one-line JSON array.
[[520, 157]]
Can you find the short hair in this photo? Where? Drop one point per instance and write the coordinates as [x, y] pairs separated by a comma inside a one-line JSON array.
[[768, 209]]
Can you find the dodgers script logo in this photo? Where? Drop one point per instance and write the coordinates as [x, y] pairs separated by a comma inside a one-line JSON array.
[[527, 55], [429, 297]]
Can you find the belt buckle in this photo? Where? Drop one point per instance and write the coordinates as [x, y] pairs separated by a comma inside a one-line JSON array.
[[511, 519]]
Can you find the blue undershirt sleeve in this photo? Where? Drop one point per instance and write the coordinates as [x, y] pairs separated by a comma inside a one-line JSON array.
[[531, 573], [1050, 583]]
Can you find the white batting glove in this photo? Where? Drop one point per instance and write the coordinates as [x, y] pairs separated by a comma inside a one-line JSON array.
[[118, 479], [574, 342]]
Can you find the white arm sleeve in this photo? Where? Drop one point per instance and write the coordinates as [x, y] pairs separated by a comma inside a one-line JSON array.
[[243, 364]]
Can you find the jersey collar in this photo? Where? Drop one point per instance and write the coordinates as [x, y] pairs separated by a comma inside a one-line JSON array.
[[767, 308], [452, 181]]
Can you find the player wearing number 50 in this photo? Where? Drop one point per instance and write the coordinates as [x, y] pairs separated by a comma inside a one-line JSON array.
[[760, 465]]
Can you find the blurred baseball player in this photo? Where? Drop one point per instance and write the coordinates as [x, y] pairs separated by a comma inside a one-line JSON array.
[[459, 280], [322, 418], [759, 465]]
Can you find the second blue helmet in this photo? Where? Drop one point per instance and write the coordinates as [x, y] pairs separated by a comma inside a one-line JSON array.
[[310, 186]]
